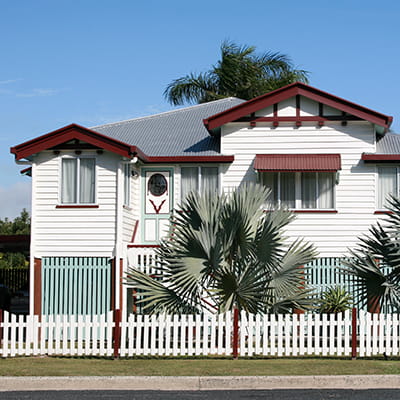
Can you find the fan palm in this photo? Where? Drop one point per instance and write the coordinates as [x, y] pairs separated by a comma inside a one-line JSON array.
[[225, 252], [239, 73], [375, 264]]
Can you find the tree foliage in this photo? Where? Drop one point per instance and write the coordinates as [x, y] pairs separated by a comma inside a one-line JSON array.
[[225, 252], [21, 225], [375, 263], [239, 73]]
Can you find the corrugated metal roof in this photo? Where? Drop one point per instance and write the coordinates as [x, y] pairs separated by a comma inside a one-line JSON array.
[[297, 162], [388, 144], [173, 133]]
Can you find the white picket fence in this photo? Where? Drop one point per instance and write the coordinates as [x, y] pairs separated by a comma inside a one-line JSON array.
[[200, 335]]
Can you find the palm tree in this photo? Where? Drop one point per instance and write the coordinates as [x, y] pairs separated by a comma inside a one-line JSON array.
[[225, 252], [375, 264], [239, 73]]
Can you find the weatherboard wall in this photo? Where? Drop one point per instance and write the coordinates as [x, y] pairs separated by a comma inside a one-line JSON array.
[[355, 203], [73, 231]]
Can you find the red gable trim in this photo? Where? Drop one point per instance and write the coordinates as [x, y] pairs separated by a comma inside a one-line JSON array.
[[74, 131], [380, 157], [298, 162], [71, 132], [293, 90]]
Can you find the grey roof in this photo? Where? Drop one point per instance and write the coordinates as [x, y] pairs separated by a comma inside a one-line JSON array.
[[388, 144], [173, 133]]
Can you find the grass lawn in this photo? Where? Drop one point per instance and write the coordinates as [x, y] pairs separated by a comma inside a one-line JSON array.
[[54, 366]]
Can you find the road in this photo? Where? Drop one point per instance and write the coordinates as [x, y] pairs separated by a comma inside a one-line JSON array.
[[315, 394]]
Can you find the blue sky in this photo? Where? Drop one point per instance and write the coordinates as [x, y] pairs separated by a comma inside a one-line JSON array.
[[92, 62]]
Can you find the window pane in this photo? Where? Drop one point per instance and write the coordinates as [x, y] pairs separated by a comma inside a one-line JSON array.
[[86, 181], [68, 180], [325, 189], [287, 189], [189, 180], [387, 184], [127, 184], [309, 190], [270, 180], [209, 179]]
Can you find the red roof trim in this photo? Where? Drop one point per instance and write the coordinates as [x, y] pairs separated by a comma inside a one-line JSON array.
[[74, 131], [189, 159], [298, 162], [380, 157], [297, 88], [68, 133]]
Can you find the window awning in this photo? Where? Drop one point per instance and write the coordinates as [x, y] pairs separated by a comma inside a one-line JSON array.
[[297, 162]]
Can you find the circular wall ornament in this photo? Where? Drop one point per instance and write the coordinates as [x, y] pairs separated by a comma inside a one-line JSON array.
[[157, 185]]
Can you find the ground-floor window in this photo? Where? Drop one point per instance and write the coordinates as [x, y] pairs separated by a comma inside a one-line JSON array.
[[201, 179], [300, 190]]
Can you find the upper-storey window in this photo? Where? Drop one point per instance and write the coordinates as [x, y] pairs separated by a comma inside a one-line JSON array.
[[388, 184], [199, 179], [300, 190], [78, 177]]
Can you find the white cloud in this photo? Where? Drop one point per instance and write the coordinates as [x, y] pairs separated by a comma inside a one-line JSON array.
[[14, 198], [7, 81], [38, 93]]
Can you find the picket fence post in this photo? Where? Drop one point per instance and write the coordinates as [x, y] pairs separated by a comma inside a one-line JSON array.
[[353, 333], [117, 332], [235, 339]]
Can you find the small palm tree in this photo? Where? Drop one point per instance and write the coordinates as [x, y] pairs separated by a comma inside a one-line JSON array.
[[375, 264], [239, 73], [335, 300], [225, 252]]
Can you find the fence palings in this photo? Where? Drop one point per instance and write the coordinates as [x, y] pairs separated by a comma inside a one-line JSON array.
[[200, 335]]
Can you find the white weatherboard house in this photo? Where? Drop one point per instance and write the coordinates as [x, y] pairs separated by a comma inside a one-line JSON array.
[[101, 197]]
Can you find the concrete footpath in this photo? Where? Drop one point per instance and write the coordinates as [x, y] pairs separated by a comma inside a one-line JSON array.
[[200, 382]]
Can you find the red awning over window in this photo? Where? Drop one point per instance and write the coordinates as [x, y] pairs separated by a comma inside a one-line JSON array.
[[298, 162]]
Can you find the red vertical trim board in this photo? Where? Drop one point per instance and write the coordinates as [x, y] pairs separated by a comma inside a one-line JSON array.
[[117, 332], [235, 341], [121, 266], [37, 287]]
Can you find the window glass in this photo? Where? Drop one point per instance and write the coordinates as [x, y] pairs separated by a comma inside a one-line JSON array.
[[387, 177], [209, 179], [78, 180], [301, 190], [270, 180], [309, 190], [288, 189], [189, 180], [68, 182], [86, 184], [326, 182], [199, 178]]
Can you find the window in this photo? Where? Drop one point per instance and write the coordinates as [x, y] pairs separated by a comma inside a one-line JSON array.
[[300, 190], [78, 180], [198, 178], [388, 184], [127, 185]]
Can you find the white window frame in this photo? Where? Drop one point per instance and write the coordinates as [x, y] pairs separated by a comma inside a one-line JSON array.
[[77, 183], [377, 193], [298, 200], [199, 167]]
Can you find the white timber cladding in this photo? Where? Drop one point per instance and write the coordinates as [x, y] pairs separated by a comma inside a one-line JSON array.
[[131, 212], [332, 233], [74, 231]]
